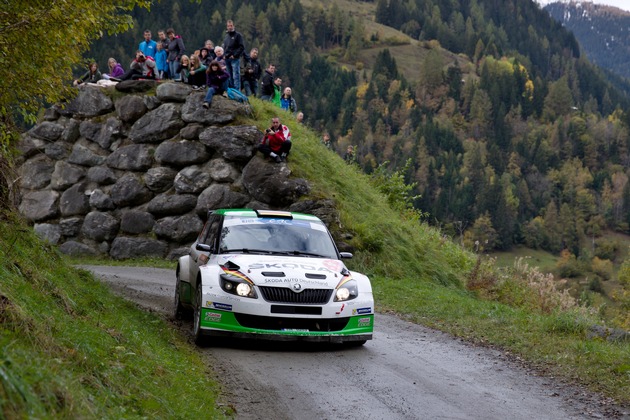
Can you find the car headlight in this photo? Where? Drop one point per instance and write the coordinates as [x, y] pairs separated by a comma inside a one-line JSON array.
[[236, 286], [347, 291]]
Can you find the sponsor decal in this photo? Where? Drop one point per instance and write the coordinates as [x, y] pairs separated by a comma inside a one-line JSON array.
[[343, 305], [294, 330], [333, 265], [221, 306], [279, 266], [224, 297], [296, 280], [361, 311], [212, 317], [363, 322]]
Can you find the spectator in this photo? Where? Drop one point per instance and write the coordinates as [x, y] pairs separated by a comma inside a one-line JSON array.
[[197, 73], [219, 57], [216, 80], [183, 69], [287, 102], [175, 51], [276, 143], [266, 88], [142, 67], [233, 47], [115, 69], [326, 141], [209, 45], [252, 74], [205, 57], [300, 117], [277, 86], [349, 156], [93, 75], [161, 65], [148, 46]]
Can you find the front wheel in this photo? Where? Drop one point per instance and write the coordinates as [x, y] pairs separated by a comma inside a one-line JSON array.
[[197, 332], [179, 311]]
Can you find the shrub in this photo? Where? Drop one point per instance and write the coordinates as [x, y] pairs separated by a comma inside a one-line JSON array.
[[602, 267]]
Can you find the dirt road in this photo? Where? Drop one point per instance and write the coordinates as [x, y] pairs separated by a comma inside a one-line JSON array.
[[406, 372]]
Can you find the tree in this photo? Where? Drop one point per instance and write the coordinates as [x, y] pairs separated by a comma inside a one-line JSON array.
[[47, 39]]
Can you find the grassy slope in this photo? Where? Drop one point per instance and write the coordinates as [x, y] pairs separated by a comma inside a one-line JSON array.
[[71, 349]]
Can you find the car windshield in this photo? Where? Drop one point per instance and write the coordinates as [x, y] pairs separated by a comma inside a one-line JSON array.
[[276, 236]]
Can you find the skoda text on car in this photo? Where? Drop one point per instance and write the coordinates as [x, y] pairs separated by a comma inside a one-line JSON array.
[[272, 275]]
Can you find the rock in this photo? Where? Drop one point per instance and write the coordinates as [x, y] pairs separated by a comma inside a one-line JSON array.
[[234, 143], [100, 226], [270, 183], [135, 86], [130, 191], [41, 205], [181, 153], [50, 233], [101, 175], [135, 157], [178, 229], [83, 155], [74, 201], [192, 179], [159, 179], [46, 130], [101, 201], [65, 175], [130, 107], [74, 248], [172, 204], [158, 125], [173, 92], [219, 196], [124, 247], [71, 226], [136, 222], [36, 173], [57, 151], [90, 102]]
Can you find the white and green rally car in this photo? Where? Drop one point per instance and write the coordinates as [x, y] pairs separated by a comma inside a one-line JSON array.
[[272, 275]]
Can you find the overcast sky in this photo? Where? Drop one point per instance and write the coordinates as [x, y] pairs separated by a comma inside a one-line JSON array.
[[622, 4]]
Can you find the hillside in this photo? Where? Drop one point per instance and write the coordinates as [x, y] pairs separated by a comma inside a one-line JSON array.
[[602, 32]]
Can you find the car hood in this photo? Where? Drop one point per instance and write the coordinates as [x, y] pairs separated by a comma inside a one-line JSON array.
[[280, 271]]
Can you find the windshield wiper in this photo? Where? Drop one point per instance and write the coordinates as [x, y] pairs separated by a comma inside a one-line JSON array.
[[246, 251], [306, 254]]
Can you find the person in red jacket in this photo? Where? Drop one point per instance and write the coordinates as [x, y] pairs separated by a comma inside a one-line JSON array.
[[276, 143]]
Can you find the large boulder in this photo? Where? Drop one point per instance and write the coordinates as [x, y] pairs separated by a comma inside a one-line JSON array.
[[181, 153], [90, 102], [135, 157], [130, 107], [40, 205], [130, 191], [271, 183], [233, 143], [158, 125], [100, 226], [180, 229], [74, 201], [218, 196], [36, 173], [172, 204], [125, 247]]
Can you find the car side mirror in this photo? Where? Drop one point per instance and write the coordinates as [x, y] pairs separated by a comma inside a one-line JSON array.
[[204, 248], [345, 255]]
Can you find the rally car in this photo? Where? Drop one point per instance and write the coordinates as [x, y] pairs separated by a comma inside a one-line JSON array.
[[272, 275]]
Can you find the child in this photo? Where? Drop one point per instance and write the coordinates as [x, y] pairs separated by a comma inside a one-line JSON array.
[[160, 62]]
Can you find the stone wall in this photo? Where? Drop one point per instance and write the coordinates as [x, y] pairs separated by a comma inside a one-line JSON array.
[[133, 170]]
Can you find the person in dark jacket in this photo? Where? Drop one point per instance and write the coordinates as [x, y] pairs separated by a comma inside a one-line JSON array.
[[267, 89], [252, 74], [233, 47], [93, 75], [175, 51], [216, 79]]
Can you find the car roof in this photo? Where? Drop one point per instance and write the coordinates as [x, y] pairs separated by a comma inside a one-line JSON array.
[[259, 213]]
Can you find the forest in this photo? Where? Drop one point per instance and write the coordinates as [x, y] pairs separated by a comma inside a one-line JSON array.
[[513, 137]]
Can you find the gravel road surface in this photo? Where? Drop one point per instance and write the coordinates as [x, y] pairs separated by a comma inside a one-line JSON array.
[[406, 372]]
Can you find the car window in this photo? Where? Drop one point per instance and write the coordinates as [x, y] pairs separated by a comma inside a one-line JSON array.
[[212, 227], [277, 235]]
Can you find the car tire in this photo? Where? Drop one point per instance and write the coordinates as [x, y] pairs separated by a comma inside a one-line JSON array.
[[200, 340], [180, 312]]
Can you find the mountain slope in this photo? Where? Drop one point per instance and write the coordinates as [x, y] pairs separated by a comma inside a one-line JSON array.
[[602, 31]]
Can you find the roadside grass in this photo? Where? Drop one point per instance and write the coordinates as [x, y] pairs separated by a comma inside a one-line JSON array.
[[69, 348]]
